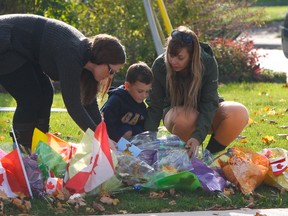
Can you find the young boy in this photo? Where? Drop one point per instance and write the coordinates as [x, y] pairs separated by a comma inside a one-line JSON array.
[[125, 111]]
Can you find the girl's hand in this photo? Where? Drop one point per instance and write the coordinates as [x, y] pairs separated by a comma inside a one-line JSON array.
[[192, 145]]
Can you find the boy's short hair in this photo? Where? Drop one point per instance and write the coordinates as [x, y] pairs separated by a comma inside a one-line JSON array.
[[139, 72]]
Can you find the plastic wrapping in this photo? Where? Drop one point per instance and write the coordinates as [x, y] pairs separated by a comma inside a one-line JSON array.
[[244, 167], [184, 180], [210, 179], [34, 175], [50, 162], [277, 175], [131, 170]]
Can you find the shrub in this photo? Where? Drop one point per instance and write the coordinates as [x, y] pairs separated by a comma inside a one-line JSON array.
[[272, 77], [237, 60]]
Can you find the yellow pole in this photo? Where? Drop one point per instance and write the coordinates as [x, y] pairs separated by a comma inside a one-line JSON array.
[[165, 16]]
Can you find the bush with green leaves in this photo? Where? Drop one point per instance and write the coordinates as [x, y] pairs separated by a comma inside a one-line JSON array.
[[238, 61]]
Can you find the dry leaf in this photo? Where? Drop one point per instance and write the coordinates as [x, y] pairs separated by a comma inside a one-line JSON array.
[[172, 202], [89, 210], [77, 201], [22, 204], [2, 138], [251, 203], [172, 191], [268, 139], [115, 201], [154, 194], [228, 191], [123, 212], [98, 207], [243, 141], [2, 208], [106, 200], [165, 210]]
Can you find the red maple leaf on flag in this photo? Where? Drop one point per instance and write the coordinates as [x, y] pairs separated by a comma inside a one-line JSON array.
[[50, 185], [94, 164], [1, 179], [279, 166]]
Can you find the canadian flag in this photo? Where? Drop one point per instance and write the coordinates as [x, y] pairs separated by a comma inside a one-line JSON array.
[[13, 178], [92, 163], [52, 184], [278, 166]]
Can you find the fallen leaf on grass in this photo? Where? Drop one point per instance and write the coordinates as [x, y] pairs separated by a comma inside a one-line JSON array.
[[22, 204], [89, 210], [109, 200], [1, 207], [251, 203], [2, 138], [269, 121], [165, 210], [159, 194], [268, 139], [243, 141], [172, 202], [219, 207], [98, 206], [228, 191]]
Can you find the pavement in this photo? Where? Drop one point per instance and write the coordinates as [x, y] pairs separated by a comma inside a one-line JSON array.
[[267, 42], [240, 212]]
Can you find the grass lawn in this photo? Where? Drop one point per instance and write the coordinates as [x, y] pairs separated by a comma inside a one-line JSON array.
[[267, 104]]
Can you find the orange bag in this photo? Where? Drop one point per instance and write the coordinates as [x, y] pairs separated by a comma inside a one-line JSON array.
[[245, 168]]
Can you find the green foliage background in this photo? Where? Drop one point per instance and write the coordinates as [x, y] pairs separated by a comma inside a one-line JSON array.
[[127, 19]]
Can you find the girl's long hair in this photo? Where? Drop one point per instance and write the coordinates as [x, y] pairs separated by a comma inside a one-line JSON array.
[[104, 49], [184, 87]]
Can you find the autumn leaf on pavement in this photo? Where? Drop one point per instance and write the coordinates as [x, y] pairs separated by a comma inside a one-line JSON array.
[[268, 139]]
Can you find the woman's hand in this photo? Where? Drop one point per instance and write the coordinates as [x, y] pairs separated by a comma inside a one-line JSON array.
[[192, 145], [112, 145]]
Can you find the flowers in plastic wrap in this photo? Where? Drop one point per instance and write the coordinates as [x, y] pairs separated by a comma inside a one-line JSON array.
[[244, 167], [277, 175], [132, 170]]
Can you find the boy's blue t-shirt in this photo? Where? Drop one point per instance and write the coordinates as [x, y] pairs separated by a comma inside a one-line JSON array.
[[122, 113]]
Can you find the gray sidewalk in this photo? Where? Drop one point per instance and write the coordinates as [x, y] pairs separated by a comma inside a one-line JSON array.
[[269, 46], [240, 212]]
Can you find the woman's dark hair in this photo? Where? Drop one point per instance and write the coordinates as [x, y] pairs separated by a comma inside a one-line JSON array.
[[105, 49]]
